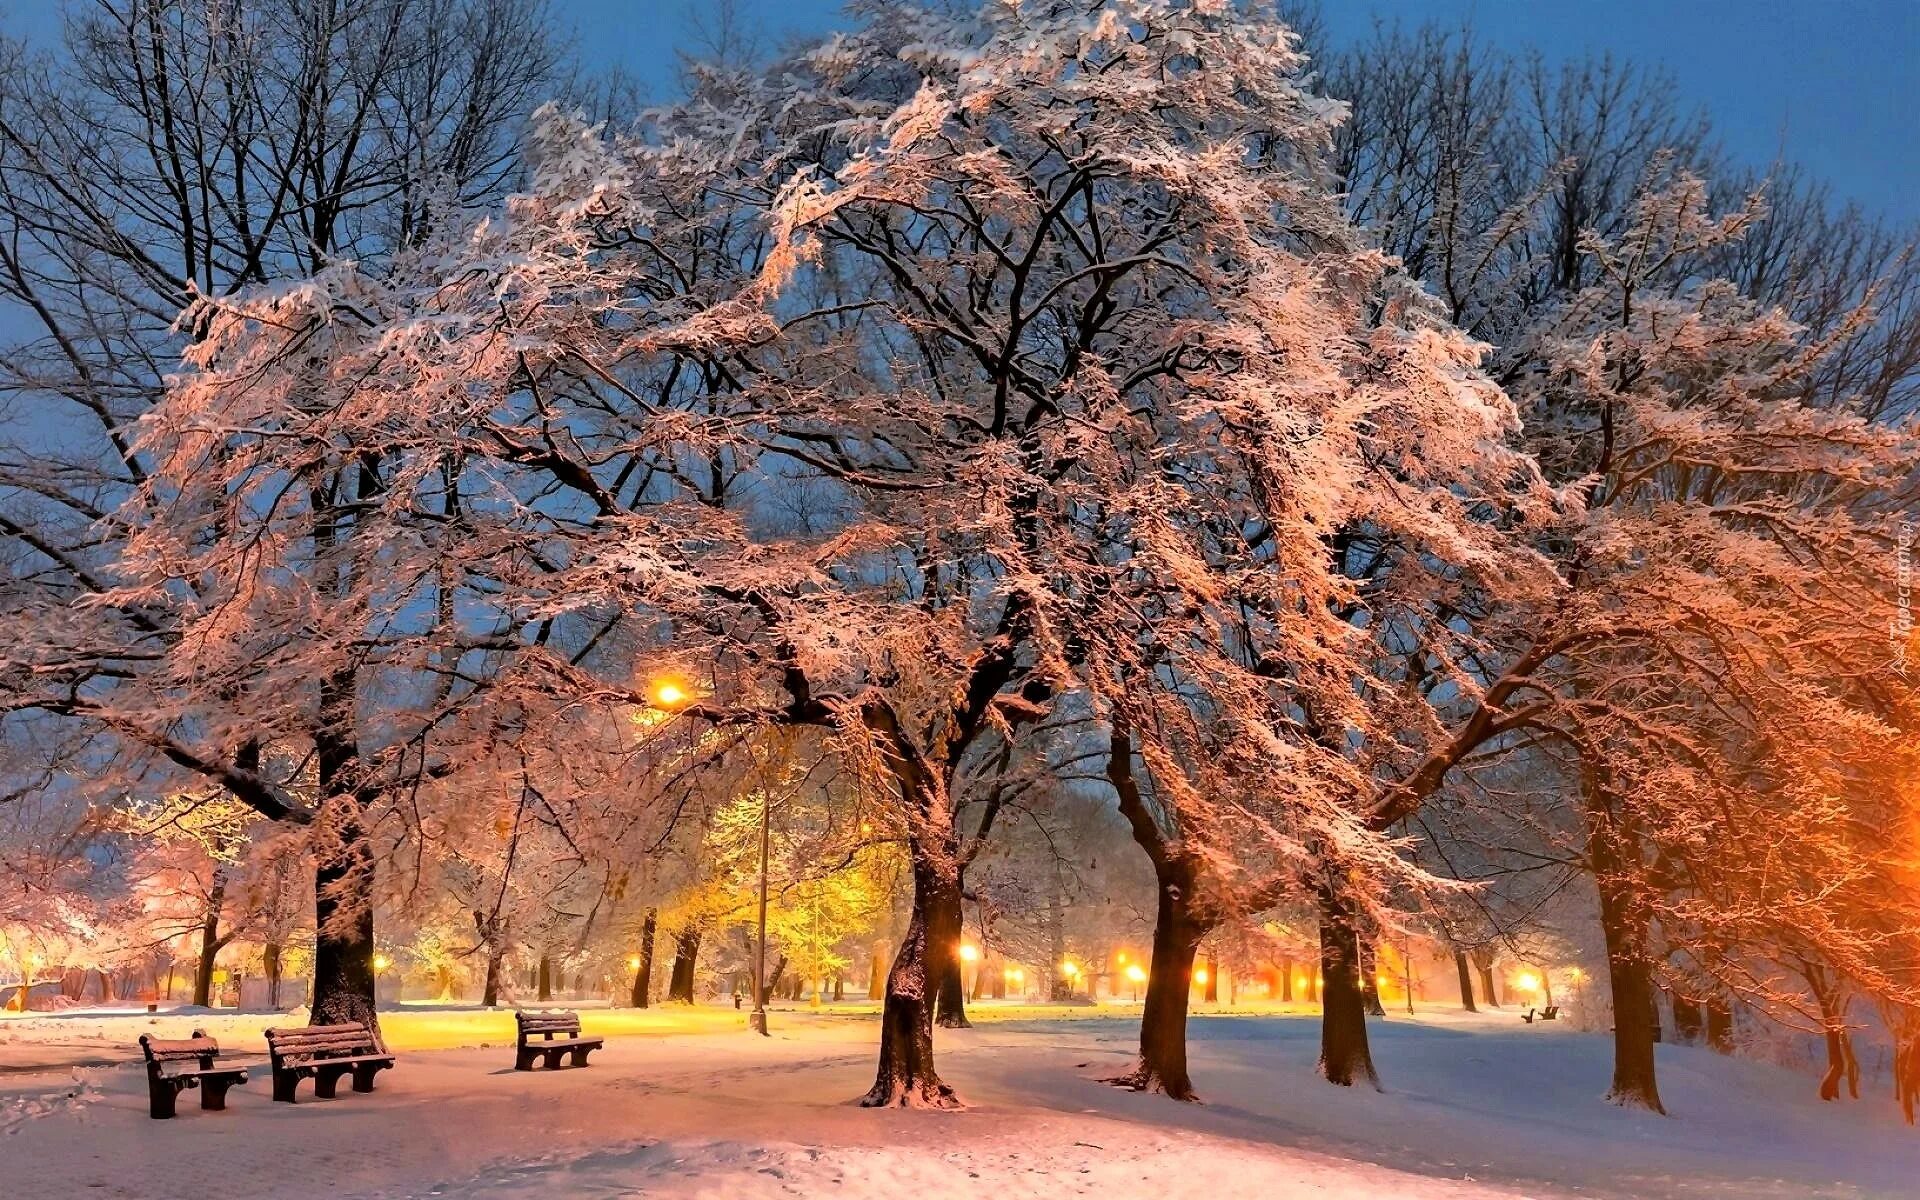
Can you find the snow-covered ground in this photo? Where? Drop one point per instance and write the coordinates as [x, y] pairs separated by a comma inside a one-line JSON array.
[[1475, 1107]]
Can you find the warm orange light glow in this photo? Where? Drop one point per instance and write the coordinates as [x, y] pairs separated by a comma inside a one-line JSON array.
[[633, 962], [1200, 975], [1135, 973], [667, 693], [1017, 975], [1527, 981], [1121, 958], [381, 962], [968, 953], [1069, 969], [1576, 974]]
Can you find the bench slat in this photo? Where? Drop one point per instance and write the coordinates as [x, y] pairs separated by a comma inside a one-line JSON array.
[[304, 1031], [162, 1051]]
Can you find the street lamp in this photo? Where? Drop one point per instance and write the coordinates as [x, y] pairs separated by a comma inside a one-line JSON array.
[[1070, 970], [1138, 977]]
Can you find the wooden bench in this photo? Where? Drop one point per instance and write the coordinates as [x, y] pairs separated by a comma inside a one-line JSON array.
[[1528, 1015], [1552, 1013], [326, 1052], [173, 1067], [559, 1033]]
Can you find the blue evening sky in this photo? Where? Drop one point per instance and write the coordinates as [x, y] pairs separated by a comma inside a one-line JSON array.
[[1834, 84]]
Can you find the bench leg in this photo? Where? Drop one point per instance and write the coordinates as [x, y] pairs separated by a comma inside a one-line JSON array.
[[363, 1076], [553, 1059], [286, 1087], [523, 1060], [161, 1099], [580, 1056], [213, 1094], [326, 1080]]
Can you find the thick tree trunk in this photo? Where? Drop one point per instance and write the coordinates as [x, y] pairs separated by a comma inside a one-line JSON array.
[[1212, 995], [545, 983], [906, 1076], [1466, 980], [1344, 1053], [1163, 1021], [210, 943], [1370, 981], [643, 976], [950, 1000], [1635, 1023], [686, 952], [343, 938], [1483, 965], [839, 987], [1286, 980], [877, 972], [271, 956]]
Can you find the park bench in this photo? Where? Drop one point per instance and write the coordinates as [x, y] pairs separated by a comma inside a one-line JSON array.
[[559, 1033], [175, 1066], [1528, 1015], [1552, 1012], [325, 1052]]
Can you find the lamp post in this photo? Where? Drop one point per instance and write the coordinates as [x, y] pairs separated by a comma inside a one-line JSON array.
[[1137, 977], [1068, 970]]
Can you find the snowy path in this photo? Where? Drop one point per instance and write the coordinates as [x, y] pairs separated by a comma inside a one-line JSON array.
[[1476, 1110]]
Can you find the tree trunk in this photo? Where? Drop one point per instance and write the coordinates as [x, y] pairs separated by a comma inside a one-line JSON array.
[[209, 943], [343, 937], [1286, 980], [1841, 1063], [493, 940], [1058, 985], [1635, 1024], [1483, 964], [1212, 995], [272, 963], [544, 982], [950, 999], [906, 1076], [1163, 1021], [643, 977], [1344, 1053], [1370, 981], [773, 980], [1466, 980], [839, 987], [1719, 1025], [1688, 1021], [686, 951], [877, 972]]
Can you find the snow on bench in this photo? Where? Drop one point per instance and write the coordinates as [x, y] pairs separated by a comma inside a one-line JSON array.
[[560, 1034], [325, 1052], [167, 1077]]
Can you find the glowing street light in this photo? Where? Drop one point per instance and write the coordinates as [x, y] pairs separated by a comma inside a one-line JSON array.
[[1137, 977], [633, 962], [1200, 975], [380, 963], [667, 693], [1527, 981], [968, 952]]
